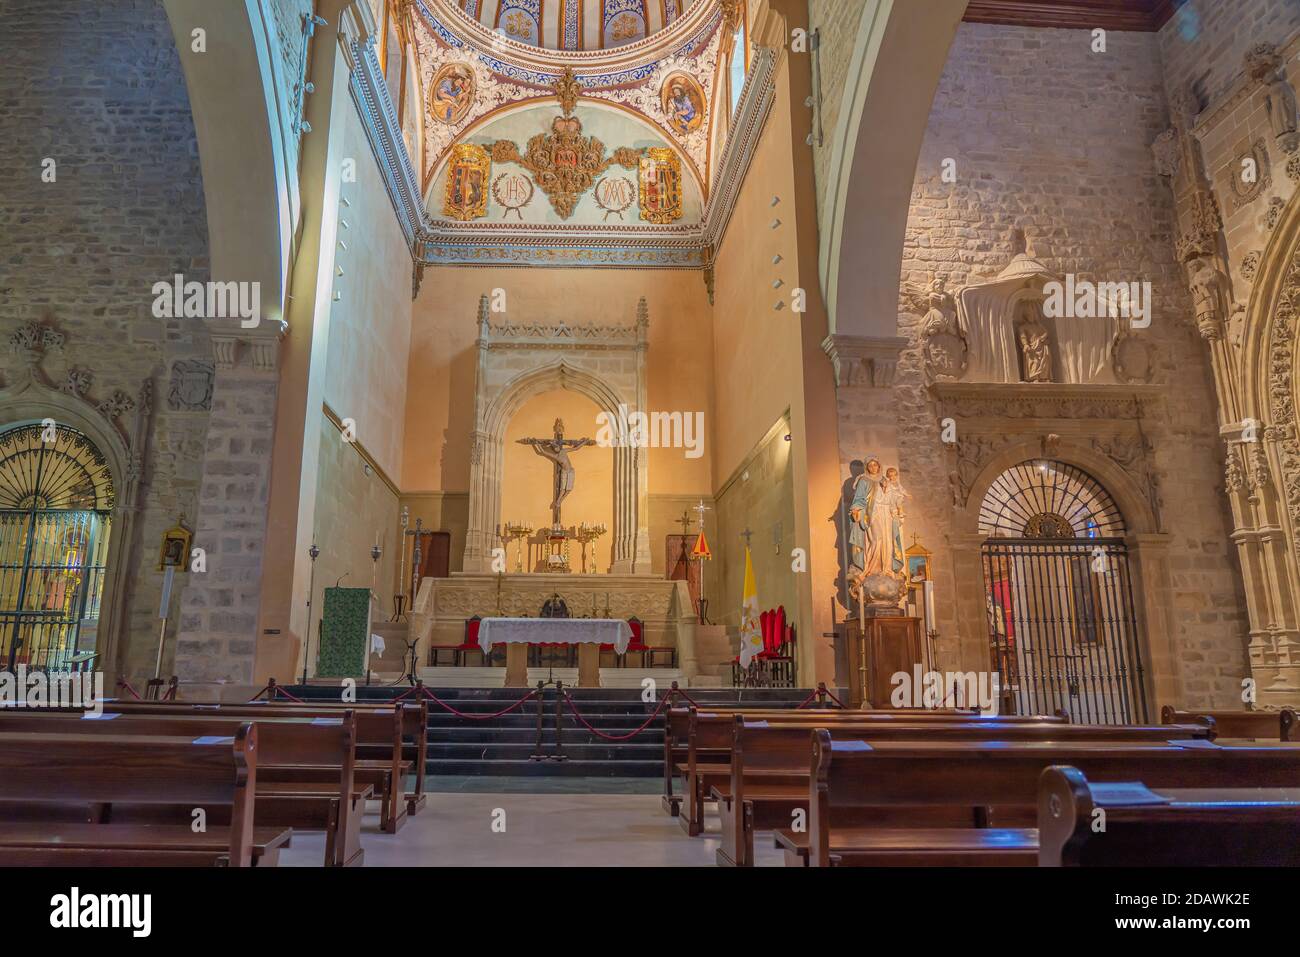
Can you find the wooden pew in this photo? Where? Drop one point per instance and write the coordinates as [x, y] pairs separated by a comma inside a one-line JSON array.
[[93, 769], [1261, 725], [770, 768], [710, 734], [380, 731], [677, 735], [306, 773], [850, 776], [1166, 828]]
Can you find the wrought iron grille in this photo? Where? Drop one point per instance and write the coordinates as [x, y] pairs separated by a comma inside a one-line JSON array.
[[56, 499], [1063, 632]]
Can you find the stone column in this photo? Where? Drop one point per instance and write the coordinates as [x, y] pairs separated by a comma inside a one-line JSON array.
[[216, 643]]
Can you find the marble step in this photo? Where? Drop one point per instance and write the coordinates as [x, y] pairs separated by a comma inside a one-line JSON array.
[[526, 768], [467, 735], [620, 752]]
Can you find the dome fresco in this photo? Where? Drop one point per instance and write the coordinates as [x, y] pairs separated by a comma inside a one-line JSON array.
[[576, 24]]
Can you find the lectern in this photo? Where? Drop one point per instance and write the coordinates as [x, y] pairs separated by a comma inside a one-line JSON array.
[[880, 647]]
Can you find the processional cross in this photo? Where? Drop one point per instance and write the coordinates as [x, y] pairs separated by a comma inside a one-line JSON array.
[[557, 450]]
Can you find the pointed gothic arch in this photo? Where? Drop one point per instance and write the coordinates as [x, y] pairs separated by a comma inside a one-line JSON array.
[[606, 364]]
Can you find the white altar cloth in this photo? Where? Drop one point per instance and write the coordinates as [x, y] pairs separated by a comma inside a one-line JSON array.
[[569, 631]]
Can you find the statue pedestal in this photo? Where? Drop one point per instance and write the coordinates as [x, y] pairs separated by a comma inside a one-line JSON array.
[[868, 653]]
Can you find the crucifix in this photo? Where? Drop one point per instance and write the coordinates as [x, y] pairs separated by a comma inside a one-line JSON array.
[[746, 535], [557, 450]]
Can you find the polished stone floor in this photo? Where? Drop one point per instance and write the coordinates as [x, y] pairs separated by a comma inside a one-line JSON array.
[[562, 827]]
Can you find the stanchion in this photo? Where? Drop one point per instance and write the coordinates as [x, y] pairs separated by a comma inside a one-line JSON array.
[[538, 754], [559, 754]]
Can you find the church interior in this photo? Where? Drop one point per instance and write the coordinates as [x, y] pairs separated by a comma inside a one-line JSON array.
[[613, 431]]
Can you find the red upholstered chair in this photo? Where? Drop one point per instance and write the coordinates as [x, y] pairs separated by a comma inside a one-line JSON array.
[[458, 652], [781, 660]]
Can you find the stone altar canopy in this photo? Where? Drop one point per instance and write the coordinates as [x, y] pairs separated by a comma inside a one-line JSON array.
[[607, 364]]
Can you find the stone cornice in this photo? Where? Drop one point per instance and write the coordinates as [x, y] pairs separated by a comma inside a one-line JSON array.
[[1045, 401]]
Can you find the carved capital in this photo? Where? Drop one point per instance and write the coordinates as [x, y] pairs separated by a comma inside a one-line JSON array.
[[864, 360], [261, 343]]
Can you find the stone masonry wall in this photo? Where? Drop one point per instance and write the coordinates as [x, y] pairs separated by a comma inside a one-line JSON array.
[[98, 88], [1052, 138]]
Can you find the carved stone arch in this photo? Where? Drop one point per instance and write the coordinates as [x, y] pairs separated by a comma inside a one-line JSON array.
[[118, 428], [1132, 500], [1268, 352], [1151, 577], [606, 364]]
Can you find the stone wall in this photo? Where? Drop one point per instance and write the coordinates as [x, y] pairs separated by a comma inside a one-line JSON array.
[[1203, 45], [98, 88], [1053, 138]]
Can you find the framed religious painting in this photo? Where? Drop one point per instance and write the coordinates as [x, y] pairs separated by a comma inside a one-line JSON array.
[[918, 562], [453, 93], [661, 186], [683, 102], [467, 182]]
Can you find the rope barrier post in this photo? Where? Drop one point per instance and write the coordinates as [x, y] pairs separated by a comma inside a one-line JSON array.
[[559, 754], [537, 754], [673, 693], [821, 695]]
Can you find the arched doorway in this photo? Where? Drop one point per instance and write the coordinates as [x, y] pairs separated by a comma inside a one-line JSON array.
[[1059, 596], [56, 497]]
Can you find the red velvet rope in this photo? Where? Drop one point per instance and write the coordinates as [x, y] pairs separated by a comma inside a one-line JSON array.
[[123, 683], [679, 691], [805, 701], [614, 737], [475, 717], [831, 695]]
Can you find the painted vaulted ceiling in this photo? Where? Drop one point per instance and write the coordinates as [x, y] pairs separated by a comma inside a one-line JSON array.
[[575, 24], [615, 131]]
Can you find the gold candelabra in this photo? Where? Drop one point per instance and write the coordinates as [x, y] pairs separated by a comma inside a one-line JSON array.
[[516, 532], [586, 534]]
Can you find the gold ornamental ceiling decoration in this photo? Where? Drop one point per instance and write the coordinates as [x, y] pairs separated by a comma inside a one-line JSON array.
[[565, 164]]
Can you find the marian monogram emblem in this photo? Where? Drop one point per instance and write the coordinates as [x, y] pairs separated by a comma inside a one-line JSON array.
[[564, 163]]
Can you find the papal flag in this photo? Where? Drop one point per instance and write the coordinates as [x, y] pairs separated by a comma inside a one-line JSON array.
[[751, 636]]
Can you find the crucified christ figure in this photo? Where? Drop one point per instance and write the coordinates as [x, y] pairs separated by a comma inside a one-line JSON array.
[[557, 450]]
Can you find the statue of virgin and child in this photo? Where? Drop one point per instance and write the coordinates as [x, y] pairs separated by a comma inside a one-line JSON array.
[[876, 518]]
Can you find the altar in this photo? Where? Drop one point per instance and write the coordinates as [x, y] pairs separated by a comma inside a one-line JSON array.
[[518, 633], [513, 603]]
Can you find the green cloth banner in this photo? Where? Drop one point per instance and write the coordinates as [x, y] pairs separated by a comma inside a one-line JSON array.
[[345, 633]]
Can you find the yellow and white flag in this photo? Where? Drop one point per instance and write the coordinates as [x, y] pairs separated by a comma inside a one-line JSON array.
[[751, 635]]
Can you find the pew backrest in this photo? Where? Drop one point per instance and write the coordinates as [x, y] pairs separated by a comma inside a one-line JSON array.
[[208, 770], [1263, 725]]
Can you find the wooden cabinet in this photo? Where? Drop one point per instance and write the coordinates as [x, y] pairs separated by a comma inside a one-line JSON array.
[[879, 649]]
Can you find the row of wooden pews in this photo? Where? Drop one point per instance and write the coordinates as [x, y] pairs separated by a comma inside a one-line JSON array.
[[954, 788], [102, 787]]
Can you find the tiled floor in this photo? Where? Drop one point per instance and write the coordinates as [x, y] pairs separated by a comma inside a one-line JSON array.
[[566, 829]]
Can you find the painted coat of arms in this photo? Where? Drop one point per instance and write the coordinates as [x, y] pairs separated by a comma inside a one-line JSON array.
[[467, 182], [661, 186], [564, 163]]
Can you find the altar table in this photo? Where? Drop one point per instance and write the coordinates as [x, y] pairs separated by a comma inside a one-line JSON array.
[[589, 633]]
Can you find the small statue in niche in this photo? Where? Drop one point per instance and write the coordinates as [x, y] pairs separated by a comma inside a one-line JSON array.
[[1264, 64], [1206, 288], [1035, 343]]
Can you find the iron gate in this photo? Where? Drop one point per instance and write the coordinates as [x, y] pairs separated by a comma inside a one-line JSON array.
[[55, 504], [1062, 629]]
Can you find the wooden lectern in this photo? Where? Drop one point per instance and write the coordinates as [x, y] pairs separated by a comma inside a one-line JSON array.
[[877, 650]]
